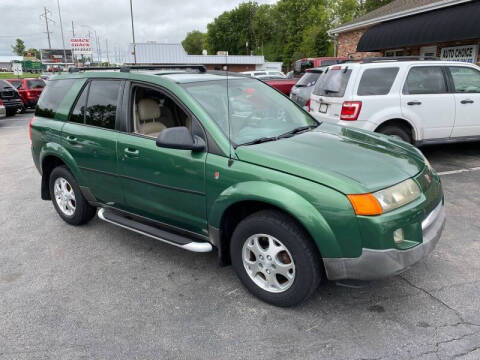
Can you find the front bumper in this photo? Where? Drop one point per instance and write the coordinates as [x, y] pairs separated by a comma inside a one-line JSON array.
[[375, 264]]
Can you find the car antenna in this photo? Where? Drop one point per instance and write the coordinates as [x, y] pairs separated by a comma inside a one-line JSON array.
[[230, 159]]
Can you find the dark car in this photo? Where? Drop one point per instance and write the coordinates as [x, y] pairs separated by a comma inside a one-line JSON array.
[[10, 98], [29, 90]]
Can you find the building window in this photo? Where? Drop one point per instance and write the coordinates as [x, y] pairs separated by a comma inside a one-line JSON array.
[[394, 53]]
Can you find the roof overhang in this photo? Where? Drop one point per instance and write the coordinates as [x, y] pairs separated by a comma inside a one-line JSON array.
[[443, 25], [398, 15]]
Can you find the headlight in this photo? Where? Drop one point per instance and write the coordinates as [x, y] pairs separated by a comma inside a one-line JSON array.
[[397, 195], [385, 200]]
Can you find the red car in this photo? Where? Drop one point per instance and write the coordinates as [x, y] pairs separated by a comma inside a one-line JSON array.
[[29, 90]]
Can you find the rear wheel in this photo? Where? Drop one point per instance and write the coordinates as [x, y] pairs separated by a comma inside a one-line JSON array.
[[67, 198], [396, 132], [275, 258], [11, 112]]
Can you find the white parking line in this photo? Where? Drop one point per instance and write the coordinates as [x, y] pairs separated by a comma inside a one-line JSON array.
[[458, 171]]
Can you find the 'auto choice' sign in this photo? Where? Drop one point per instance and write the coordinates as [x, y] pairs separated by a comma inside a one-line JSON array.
[[466, 53]]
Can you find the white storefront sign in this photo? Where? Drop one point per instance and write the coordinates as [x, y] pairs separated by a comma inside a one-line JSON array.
[[80, 46], [465, 53]]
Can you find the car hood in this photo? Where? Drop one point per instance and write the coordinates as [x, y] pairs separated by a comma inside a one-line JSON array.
[[349, 160]]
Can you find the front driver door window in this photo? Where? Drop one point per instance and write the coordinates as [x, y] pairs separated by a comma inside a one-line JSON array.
[[163, 184]]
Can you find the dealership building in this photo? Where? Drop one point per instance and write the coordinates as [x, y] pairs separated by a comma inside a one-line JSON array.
[[448, 29], [153, 53]]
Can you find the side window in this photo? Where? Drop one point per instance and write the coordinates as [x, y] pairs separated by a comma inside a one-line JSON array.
[[465, 80], [102, 103], [52, 97], [425, 80], [78, 112], [153, 111], [377, 81]]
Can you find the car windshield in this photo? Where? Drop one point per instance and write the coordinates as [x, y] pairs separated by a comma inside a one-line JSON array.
[[36, 84], [308, 79], [257, 111]]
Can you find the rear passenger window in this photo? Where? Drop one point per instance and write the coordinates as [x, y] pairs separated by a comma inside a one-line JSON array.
[[52, 97], [377, 81], [102, 103], [425, 80], [78, 113], [465, 80]]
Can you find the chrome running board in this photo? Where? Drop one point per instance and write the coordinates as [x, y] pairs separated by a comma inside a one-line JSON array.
[[153, 232]]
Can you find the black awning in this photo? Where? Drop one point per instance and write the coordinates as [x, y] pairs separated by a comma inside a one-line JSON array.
[[459, 22]]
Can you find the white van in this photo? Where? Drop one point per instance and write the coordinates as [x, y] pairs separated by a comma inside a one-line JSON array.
[[420, 102]]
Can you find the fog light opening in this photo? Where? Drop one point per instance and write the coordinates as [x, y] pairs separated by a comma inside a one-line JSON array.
[[398, 236]]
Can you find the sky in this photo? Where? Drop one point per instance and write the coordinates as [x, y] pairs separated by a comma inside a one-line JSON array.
[[155, 20]]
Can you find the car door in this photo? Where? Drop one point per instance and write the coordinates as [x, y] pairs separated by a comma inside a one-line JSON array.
[[90, 136], [425, 100], [466, 87], [163, 184]]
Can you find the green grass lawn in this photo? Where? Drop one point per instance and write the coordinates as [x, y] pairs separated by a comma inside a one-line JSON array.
[[9, 75]]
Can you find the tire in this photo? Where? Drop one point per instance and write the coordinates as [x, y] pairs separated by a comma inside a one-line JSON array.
[[77, 210], [275, 228], [397, 132], [11, 112], [23, 109]]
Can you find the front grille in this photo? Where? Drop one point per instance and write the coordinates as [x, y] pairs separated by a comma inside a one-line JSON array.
[[7, 94]]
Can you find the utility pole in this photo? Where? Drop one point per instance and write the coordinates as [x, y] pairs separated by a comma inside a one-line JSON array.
[[73, 30], [45, 14], [133, 35], [108, 58], [61, 28]]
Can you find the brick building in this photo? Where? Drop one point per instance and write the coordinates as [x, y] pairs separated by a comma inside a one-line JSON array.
[[448, 29]]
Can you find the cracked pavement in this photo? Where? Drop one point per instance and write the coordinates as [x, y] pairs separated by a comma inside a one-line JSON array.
[[102, 292]]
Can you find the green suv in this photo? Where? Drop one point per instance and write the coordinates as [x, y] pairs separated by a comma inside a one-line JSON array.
[[205, 161]]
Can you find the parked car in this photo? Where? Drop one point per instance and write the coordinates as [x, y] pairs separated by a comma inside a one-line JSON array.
[[302, 90], [259, 73], [3, 112], [287, 200], [29, 90], [10, 98], [282, 85], [420, 102], [301, 65]]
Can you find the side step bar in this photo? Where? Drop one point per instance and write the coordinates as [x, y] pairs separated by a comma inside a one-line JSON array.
[[154, 232]]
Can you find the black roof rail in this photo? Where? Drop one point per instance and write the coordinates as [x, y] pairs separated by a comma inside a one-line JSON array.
[[398, 58], [127, 68]]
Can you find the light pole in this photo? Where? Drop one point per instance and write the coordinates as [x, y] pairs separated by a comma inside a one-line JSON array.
[[133, 34], [61, 28]]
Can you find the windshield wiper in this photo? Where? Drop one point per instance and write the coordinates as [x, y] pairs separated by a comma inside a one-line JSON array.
[[296, 131], [260, 140]]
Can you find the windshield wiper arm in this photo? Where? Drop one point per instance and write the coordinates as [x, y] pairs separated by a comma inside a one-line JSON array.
[[260, 140], [297, 130]]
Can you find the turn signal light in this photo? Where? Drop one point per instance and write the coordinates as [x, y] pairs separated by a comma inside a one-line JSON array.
[[350, 110], [308, 105], [365, 204]]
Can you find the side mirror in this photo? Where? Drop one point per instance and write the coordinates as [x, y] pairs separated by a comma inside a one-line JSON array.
[[180, 138]]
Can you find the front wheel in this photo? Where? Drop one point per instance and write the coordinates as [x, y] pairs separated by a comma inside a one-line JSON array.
[[67, 198], [275, 258]]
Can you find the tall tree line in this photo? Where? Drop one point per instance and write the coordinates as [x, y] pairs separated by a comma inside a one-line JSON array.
[[285, 31]]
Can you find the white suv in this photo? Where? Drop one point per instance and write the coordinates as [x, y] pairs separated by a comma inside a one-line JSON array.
[[420, 102]]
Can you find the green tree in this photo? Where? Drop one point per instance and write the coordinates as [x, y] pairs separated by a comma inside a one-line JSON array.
[[194, 42], [19, 47], [34, 52]]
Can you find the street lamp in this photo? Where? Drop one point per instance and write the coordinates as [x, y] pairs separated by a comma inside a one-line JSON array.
[[133, 34]]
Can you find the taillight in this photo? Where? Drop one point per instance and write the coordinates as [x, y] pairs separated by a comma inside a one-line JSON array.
[[307, 104], [28, 93], [30, 128], [350, 110], [1, 102]]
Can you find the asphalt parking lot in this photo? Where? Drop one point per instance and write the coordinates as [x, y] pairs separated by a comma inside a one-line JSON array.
[[102, 292]]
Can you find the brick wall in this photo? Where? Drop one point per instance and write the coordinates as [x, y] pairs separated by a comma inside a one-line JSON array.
[[347, 45]]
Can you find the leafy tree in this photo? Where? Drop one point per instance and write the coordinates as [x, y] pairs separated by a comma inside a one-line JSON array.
[[194, 42], [34, 52], [19, 47]]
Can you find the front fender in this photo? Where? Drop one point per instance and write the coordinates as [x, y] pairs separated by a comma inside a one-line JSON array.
[[57, 150], [284, 199]]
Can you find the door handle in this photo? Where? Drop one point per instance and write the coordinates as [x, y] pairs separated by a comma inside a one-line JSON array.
[[414, 103], [466, 101], [72, 139], [131, 152]]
